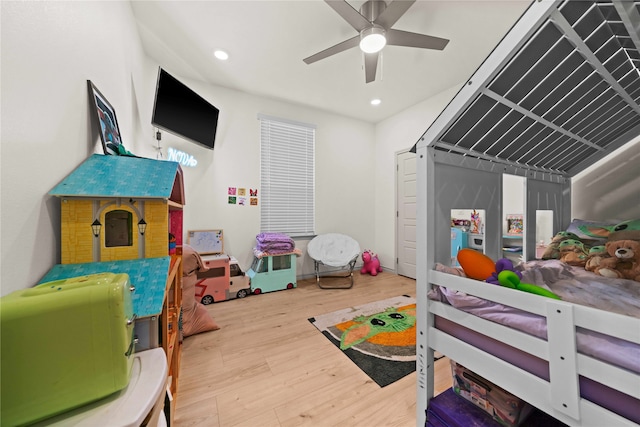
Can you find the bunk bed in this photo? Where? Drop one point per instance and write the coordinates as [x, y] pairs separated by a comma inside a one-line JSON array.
[[560, 92]]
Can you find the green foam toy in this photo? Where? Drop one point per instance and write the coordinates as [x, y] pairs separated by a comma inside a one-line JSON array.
[[509, 279]]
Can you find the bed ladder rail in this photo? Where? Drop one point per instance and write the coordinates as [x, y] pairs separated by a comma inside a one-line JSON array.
[[563, 370]]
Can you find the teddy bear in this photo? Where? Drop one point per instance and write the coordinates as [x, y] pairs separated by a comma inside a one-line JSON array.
[[552, 252], [371, 263], [624, 261], [573, 252], [596, 254]]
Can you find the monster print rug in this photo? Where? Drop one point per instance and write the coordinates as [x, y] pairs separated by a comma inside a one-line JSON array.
[[380, 337]]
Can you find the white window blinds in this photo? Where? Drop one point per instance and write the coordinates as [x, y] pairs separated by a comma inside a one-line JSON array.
[[287, 177]]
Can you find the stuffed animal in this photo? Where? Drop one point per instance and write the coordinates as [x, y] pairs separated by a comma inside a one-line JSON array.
[[503, 264], [552, 251], [371, 263], [476, 265], [596, 254], [509, 279], [624, 261], [573, 252]]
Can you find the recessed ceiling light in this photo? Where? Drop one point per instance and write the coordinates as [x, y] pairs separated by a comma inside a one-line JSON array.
[[221, 55], [375, 101]]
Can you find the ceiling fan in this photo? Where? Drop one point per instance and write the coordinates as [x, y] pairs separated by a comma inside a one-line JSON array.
[[373, 23]]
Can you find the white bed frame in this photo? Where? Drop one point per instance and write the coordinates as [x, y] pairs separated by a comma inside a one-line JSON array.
[[452, 175]]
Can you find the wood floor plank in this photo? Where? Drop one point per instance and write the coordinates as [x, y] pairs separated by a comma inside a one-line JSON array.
[[269, 366]]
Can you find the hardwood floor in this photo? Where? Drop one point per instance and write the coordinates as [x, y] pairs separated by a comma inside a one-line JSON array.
[[269, 366]]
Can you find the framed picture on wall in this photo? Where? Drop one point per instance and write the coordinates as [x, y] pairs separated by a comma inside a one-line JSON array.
[[106, 119], [206, 242], [515, 224]]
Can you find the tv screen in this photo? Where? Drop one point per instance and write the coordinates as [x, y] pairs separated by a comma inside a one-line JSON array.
[[181, 111]]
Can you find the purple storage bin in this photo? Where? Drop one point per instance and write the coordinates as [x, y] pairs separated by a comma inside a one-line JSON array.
[[448, 409]]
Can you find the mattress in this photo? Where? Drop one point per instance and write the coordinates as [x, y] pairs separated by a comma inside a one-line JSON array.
[[575, 285]]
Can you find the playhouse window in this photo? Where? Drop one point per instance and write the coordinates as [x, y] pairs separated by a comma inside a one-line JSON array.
[[118, 228]]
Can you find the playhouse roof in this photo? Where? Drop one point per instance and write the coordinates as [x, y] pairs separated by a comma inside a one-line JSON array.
[[103, 176]]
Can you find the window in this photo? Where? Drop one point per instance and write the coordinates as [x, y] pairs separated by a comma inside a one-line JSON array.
[[259, 265], [213, 272], [281, 262], [287, 177], [118, 229]]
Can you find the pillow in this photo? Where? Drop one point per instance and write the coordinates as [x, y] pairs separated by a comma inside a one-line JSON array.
[[195, 317], [191, 261], [591, 230]]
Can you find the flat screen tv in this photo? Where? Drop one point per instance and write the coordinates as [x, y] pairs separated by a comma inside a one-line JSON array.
[[181, 111]]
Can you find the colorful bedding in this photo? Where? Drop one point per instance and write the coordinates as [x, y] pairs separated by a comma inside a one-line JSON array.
[[573, 284]]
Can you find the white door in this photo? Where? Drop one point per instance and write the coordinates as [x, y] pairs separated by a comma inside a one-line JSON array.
[[406, 214]]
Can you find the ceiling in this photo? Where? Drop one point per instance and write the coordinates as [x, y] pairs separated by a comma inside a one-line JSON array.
[[268, 40]]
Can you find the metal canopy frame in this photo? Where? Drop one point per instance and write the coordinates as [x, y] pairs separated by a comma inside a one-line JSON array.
[[557, 95]]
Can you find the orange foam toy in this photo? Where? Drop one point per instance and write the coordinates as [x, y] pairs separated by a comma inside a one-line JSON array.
[[476, 265]]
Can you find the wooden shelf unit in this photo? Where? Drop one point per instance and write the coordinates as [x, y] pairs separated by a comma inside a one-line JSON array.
[[171, 342], [512, 245]]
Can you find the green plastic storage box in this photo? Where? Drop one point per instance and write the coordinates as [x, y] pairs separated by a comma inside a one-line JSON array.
[[64, 344]]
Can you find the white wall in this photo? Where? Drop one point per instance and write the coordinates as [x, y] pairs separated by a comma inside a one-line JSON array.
[[397, 134], [610, 189], [344, 160], [50, 49]]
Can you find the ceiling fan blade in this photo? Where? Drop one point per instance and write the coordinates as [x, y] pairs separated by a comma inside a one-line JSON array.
[[370, 66], [349, 14], [340, 47], [393, 12], [406, 38]]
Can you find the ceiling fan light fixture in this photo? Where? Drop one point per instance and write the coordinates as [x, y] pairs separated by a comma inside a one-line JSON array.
[[372, 39]]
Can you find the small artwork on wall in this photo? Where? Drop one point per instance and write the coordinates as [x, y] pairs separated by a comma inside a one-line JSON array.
[[238, 196], [515, 224], [107, 121]]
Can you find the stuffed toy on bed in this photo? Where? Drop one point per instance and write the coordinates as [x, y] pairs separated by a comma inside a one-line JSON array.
[[573, 252], [477, 265], [624, 260], [596, 254], [552, 251]]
